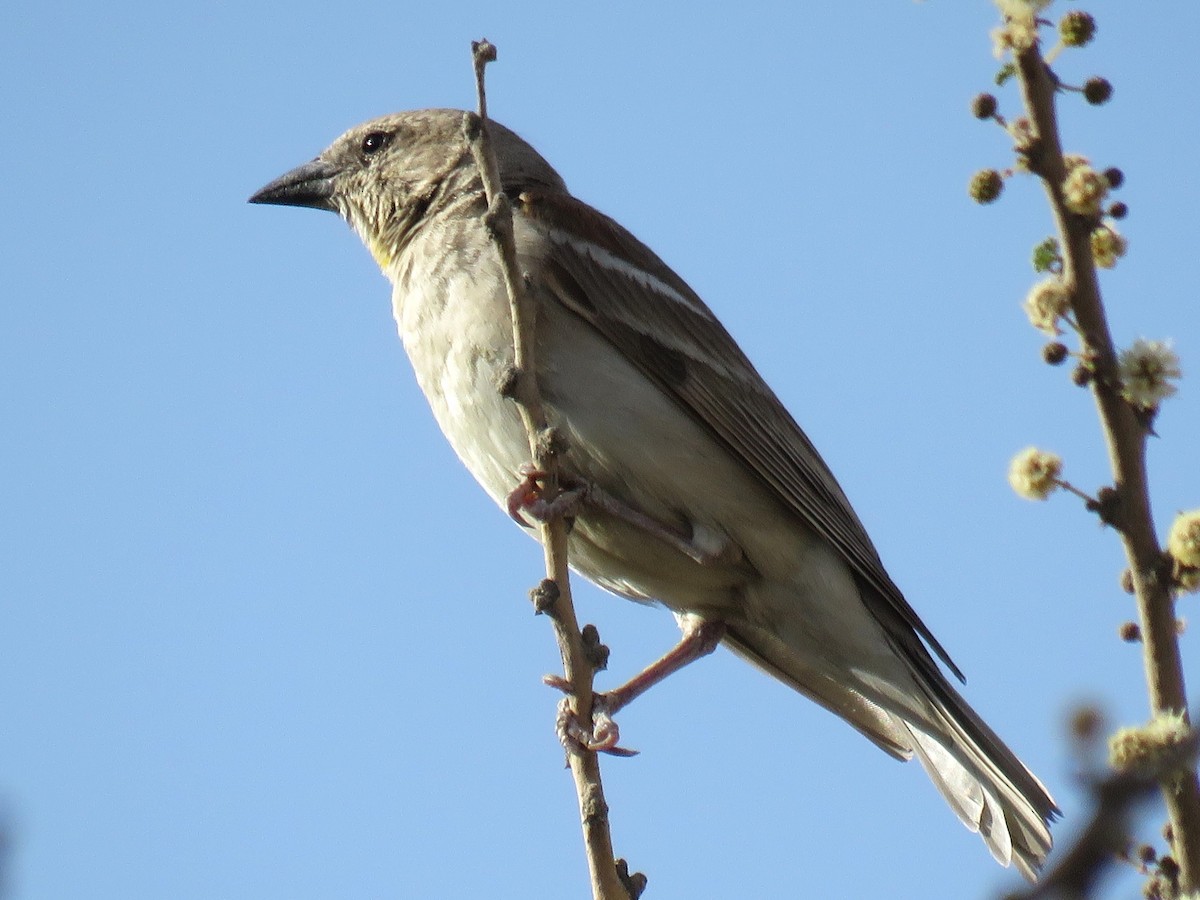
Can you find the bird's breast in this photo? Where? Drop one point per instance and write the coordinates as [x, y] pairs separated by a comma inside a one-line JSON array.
[[456, 329], [625, 435]]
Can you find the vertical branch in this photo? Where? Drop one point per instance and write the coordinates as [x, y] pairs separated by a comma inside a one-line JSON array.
[[1125, 435], [545, 448]]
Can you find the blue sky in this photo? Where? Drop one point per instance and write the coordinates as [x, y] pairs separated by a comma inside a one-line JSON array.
[[262, 635]]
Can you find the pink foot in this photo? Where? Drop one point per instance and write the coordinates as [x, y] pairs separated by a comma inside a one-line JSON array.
[[527, 496], [601, 737], [524, 494]]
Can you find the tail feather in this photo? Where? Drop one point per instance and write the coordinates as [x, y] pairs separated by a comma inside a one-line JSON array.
[[985, 783], [991, 790], [980, 809], [982, 780]]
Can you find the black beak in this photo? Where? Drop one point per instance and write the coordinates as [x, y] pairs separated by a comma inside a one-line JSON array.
[[308, 185]]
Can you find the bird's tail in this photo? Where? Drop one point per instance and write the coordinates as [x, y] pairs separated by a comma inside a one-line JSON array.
[[989, 789]]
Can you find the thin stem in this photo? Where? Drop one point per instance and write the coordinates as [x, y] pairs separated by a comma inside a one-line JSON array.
[[1126, 440], [1070, 488], [578, 669]]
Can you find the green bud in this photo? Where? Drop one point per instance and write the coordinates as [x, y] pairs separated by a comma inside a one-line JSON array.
[[1077, 28], [986, 185], [1046, 256]]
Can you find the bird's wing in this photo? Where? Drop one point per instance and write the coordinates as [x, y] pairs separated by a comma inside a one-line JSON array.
[[610, 279]]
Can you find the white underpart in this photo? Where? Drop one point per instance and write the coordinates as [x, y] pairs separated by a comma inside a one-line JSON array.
[[712, 542]]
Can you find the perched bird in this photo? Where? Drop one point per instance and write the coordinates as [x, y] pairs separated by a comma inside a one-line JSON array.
[[700, 491]]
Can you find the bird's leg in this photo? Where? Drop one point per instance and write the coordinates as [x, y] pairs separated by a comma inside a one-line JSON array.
[[577, 494], [700, 638], [728, 552]]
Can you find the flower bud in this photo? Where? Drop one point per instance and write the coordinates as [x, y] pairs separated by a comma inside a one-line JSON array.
[[983, 106], [1077, 28], [1054, 353], [1183, 542], [986, 185], [1097, 90]]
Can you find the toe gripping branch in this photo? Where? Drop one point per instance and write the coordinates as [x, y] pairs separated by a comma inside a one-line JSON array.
[[699, 639], [527, 497], [700, 636]]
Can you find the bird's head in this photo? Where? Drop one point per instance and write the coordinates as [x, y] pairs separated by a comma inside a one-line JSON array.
[[388, 176]]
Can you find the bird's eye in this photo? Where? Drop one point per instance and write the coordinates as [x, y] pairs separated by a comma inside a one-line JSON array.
[[375, 141]]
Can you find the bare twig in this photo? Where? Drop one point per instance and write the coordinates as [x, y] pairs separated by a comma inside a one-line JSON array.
[[545, 450], [1126, 437]]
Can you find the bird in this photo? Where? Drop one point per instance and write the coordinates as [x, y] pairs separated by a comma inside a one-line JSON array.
[[700, 492]]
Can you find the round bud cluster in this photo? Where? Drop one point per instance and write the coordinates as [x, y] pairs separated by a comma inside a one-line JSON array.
[[1108, 245], [1097, 90], [983, 106], [1155, 749], [1077, 28], [986, 185], [1046, 303], [1183, 543], [1130, 633], [1084, 190], [1033, 473], [1148, 370], [1055, 353]]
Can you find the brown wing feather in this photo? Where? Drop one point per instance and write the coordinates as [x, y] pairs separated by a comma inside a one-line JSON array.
[[725, 392]]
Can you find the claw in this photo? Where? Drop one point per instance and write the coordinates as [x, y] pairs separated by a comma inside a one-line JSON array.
[[525, 494], [601, 737], [557, 682]]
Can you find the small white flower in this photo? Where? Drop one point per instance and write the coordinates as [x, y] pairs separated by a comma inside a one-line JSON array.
[[1023, 135], [1108, 245], [1146, 370], [1149, 750], [1084, 190], [1019, 31], [1034, 473], [1022, 7], [1046, 303], [1188, 579], [1015, 35], [1183, 542]]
